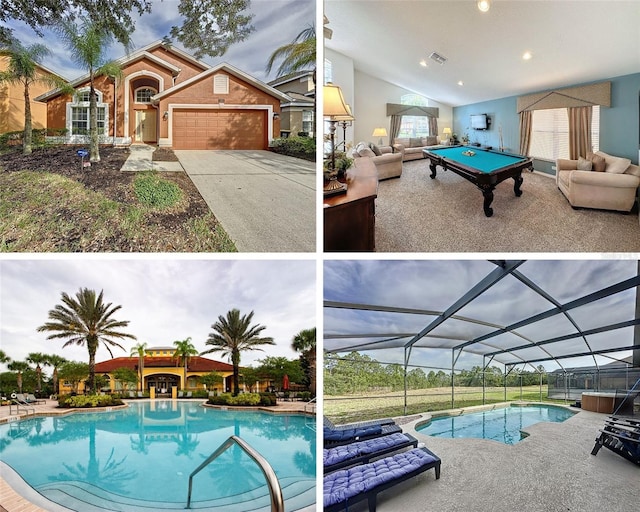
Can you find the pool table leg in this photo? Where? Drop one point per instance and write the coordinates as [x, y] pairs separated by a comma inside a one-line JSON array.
[[433, 171], [488, 199], [517, 183]]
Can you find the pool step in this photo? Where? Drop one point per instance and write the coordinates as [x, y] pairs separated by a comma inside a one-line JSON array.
[[84, 497]]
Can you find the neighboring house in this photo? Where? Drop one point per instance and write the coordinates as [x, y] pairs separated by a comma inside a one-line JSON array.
[[167, 97], [12, 101], [163, 371], [298, 114]]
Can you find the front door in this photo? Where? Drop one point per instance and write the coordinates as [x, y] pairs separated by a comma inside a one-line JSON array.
[[146, 126]]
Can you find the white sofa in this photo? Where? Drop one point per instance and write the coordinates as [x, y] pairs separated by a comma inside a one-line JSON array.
[[388, 164], [612, 184], [411, 149]]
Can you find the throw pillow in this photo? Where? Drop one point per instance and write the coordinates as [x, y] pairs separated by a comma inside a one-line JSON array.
[[584, 164], [415, 143], [432, 140], [404, 142], [599, 163], [617, 165], [365, 151], [375, 149]]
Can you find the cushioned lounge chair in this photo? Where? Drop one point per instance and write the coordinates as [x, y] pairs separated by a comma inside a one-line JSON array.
[[341, 489], [32, 400], [621, 436], [351, 435], [361, 452], [331, 425]]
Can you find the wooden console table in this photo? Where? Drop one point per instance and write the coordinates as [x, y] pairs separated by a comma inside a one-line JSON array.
[[349, 219]]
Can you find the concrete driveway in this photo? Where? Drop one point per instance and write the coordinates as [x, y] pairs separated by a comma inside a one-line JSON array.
[[266, 202]]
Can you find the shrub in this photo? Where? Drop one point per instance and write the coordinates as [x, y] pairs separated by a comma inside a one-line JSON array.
[[268, 399], [305, 396], [156, 192], [299, 147], [38, 136], [243, 399], [88, 401]]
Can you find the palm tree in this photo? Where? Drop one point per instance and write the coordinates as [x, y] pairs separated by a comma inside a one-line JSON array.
[[56, 362], [305, 343], [298, 55], [18, 367], [4, 358], [23, 70], [88, 43], [38, 359], [233, 335], [140, 350], [184, 351], [86, 320]]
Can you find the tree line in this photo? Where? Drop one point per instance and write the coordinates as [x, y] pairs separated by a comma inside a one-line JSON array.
[[359, 373]]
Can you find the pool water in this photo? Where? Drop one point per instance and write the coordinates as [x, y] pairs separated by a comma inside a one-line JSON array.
[[503, 425], [140, 458]]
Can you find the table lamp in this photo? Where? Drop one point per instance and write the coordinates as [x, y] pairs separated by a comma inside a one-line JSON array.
[[447, 134], [379, 132], [334, 108]]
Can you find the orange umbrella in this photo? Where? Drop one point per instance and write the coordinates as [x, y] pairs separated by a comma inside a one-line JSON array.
[[285, 382]]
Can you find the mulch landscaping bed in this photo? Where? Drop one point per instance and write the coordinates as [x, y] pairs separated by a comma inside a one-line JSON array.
[[106, 178]]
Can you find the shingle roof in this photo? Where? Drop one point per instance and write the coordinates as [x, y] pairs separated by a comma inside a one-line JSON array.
[[196, 364]]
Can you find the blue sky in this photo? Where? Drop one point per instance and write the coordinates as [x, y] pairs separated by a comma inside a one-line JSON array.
[[276, 22], [163, 299], [435, 285]]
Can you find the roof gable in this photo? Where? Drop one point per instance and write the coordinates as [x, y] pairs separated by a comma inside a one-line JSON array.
[[232, 71]]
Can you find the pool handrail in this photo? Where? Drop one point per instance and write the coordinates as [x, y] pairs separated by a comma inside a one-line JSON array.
[[275, 491]]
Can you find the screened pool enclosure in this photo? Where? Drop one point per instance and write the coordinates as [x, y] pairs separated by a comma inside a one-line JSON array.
[[551, 318]]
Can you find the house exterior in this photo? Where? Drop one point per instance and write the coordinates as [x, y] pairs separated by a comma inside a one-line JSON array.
[[163, 371], [12, 101], [298, 114], [167, 97]]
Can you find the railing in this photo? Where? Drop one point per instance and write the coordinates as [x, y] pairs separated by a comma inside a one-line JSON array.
[[19, 404], [309, 403], [275, 492]]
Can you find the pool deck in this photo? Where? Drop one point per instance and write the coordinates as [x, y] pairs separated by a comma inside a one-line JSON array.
[[11, 501], [552, 470]]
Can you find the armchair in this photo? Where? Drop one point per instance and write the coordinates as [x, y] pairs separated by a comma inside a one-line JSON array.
[[388, 164], [614, 188]]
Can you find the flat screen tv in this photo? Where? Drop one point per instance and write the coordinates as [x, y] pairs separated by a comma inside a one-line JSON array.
[[479, 121]]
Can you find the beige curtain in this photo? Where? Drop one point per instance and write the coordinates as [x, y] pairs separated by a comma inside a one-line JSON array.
[[394, 127], [433, 125], [526, 121], [579, 131]]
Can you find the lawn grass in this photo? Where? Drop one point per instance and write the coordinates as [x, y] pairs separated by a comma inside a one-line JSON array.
[[351, 408], [48, 212]]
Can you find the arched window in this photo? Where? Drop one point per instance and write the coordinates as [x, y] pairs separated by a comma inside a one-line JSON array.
[[78, 113], [143, 94], [414, 126]]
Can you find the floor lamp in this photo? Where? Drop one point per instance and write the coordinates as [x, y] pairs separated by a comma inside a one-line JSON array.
[[334, 109]]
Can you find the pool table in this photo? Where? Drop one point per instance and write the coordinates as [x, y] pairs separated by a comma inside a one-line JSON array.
[[485, 168]]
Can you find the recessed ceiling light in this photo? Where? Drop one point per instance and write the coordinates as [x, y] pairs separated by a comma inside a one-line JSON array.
[[484, 5], [460, 83], [423, 63], [527, 55]]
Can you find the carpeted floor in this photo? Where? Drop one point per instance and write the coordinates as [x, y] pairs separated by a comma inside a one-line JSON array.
[[415, 213]]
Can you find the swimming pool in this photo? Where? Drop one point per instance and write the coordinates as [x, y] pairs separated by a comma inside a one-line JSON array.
[[140, 458], [503, 425]]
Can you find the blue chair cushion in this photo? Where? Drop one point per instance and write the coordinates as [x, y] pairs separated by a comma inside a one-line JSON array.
[[342, 485], [350, 433], [338, 454]]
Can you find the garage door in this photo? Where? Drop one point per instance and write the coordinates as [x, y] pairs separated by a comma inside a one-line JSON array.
[[219, 129]]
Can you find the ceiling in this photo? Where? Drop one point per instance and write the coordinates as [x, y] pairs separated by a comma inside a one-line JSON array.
[[571, 42], [560, 314]]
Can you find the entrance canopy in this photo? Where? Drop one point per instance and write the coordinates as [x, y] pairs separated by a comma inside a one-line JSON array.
[[451, 314]]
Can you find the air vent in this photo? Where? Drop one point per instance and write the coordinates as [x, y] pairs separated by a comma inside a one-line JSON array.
[[438, 58]]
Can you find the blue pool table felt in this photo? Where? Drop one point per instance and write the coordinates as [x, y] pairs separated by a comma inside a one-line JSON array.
[[483, 161]]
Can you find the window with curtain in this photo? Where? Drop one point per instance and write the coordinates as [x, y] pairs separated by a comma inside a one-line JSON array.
[[414, 126], [550, 133]]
